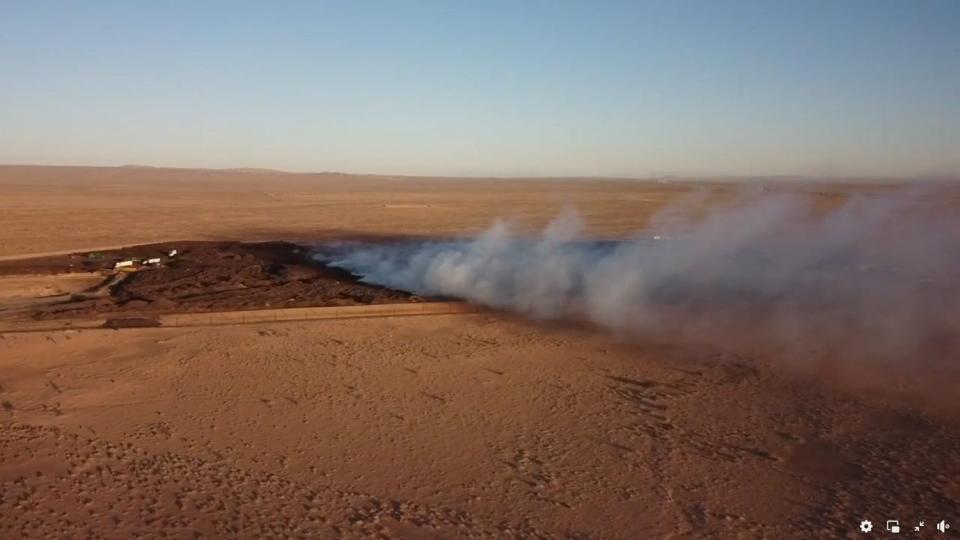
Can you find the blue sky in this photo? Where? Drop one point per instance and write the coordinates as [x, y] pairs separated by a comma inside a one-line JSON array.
[[833, 88]]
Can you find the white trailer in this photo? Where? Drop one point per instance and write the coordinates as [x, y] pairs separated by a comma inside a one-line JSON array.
[[123, 264]]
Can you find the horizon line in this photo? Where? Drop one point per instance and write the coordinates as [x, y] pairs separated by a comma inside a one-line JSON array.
[[715, 177]]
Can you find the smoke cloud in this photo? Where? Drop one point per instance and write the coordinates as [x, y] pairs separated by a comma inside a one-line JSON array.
[[873, 276]]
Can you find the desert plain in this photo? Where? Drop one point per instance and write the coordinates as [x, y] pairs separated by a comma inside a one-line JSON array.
[[475, 424]]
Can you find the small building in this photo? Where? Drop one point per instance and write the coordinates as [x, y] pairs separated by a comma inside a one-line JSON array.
[[173, 253]]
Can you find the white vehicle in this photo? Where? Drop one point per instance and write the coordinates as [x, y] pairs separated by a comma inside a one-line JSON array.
[[123, 264]]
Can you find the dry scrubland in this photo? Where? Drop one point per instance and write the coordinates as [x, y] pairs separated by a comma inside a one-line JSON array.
[[437, 427], [48, 209], [449, 426]]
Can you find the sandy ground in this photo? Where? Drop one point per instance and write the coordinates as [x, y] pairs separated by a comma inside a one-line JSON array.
[[16, 287], [95, 208], [454, 426], [438, 427]]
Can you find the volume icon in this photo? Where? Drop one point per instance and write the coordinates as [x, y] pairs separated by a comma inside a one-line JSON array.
[[942, 526]]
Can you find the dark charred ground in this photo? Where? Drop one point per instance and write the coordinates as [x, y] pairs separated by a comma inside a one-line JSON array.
[[206, 276]]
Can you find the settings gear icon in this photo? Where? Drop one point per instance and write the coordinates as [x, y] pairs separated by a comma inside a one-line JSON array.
[[866, 525]]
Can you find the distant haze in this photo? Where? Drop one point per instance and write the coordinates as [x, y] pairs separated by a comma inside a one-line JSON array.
[[858, 88]]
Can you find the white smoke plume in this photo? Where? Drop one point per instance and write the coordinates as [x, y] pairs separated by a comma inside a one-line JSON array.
[[875, 276]]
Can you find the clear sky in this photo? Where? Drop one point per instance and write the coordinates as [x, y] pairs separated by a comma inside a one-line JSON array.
[[521, 87]]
